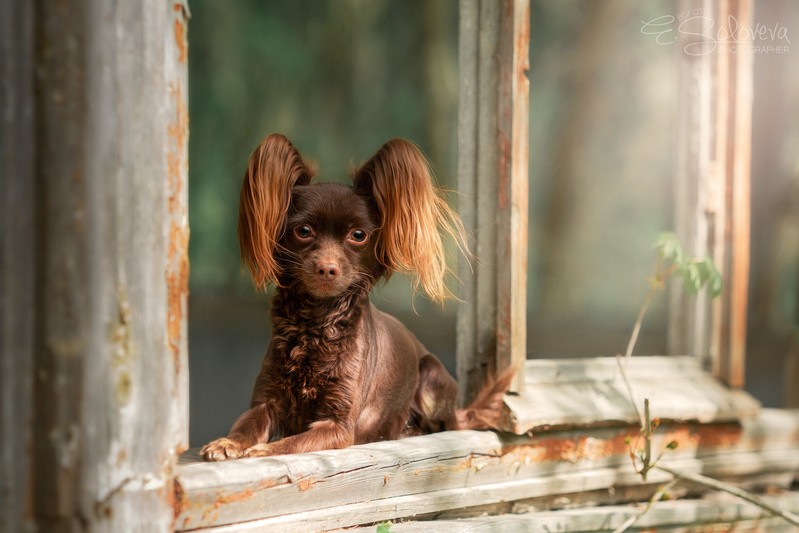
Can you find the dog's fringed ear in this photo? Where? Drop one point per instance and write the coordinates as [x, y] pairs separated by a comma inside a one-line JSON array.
[[274, 168], [413, 214]]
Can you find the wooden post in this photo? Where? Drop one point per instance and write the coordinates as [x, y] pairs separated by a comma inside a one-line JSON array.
[[713, 185], [492, 179], [95, 267], [696, 197], [733, 160], [17, 279]]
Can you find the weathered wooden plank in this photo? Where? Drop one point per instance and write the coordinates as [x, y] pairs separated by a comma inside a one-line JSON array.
[[733, 158], [585, 391], [601, 369], [467, 319], [712, 195], [492, 179], [522, 487], [476, 335], [680, 515], [107, 231], [696, 196], [246, 489], [412, 505], [17, 256], [512, 193], [460, 469]]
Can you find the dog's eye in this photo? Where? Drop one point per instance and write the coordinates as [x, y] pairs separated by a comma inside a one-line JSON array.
[[304, 232], [358, 236]]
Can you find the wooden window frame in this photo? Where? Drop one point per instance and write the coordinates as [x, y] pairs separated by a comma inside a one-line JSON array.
[[94, 247], [711, 204], [711, 195]]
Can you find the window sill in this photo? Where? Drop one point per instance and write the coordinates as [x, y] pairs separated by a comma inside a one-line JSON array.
[[568, 392], [438, 474]]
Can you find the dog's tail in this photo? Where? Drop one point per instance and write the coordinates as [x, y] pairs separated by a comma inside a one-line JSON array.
[[486, 410]]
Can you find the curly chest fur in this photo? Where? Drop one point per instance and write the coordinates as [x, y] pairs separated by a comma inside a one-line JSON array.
[[314, 356]]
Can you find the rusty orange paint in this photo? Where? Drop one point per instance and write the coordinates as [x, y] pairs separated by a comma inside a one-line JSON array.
[[306, 483], [178, 498], [173, 162], [573, 449], [177, 279], [180, 33], [223, 499], [179, 129], [177, 270], [713, 436], [209, 516]]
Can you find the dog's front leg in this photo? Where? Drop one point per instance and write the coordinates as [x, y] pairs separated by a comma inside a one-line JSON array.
[[252, 427], [321, 435]]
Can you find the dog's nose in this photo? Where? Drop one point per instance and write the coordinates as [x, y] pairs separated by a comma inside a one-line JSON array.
[[327, 269]]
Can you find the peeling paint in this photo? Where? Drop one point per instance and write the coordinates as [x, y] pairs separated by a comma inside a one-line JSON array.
[[177, 271], [222, 499], [267, 484], [716, 436], [180, 32], [178, 498], [306, 483], [122, 349], [177, 278], [570, 449], [573, 449]]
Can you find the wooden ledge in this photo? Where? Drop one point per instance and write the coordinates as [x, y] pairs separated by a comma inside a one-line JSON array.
[[569, 392], [454, 470], [679, 515]]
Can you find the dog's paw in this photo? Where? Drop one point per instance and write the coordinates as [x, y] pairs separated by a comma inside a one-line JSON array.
[[222, 449], [260, 450]]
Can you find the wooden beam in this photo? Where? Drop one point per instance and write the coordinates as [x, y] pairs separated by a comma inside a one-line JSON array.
[[696, 196], [591, 391], [17, 270], [712, 198], [492, 179], [733, 158], [454, 470], [99, 190], [680, 515]]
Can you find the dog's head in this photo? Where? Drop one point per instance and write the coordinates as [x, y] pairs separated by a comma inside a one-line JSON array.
[[330, 238]]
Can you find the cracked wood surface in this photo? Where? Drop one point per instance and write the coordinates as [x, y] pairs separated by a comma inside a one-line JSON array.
[[591, 391], [681, 515], [454, 470], [95, 255]]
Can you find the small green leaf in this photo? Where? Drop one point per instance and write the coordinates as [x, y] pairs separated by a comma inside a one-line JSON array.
[[384, 527], [672, 445], [690, 277], [714, 283], [668, 245]]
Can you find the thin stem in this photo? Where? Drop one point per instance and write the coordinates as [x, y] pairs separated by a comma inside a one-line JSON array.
[[629, 389], [638, 322], [631, 345], [647, 429], [656, 497]]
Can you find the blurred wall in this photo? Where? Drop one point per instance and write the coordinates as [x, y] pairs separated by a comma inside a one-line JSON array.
[[339, 77]]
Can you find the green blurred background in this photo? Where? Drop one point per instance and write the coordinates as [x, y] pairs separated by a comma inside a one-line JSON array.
[[339, 77]]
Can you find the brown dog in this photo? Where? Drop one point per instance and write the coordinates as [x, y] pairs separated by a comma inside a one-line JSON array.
[[338, 371]]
